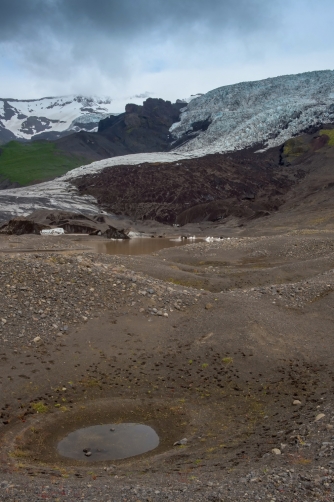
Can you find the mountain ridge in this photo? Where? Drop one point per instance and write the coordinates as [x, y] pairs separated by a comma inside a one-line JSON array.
[[51, 117], [288, 106]]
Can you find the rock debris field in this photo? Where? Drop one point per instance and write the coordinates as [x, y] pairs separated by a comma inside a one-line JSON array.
[[41, 295], [224, 348]]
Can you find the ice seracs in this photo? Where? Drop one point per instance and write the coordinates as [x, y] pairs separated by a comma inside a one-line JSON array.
[[265, 112]]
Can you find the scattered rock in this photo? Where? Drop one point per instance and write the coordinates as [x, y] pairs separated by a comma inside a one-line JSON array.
[[183, 441]]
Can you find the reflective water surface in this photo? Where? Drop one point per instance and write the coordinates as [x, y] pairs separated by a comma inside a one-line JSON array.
[[108, 442]]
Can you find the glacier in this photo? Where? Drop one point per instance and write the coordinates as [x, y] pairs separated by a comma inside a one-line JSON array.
[[264, 112]]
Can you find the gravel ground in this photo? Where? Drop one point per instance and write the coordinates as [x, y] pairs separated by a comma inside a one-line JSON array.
[[273, 403]]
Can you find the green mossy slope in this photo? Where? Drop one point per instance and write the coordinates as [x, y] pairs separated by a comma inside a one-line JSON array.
[[26, 163]]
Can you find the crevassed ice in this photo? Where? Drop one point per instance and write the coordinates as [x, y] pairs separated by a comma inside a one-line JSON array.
[[267, 111]]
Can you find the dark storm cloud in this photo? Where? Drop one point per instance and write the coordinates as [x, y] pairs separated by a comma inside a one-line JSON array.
[[89, 45], [126, 19]]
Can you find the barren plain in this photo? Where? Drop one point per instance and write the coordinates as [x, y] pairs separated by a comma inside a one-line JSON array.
[[227, 344]]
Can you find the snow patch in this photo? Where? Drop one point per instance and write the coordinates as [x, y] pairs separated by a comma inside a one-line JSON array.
[[53, 231]]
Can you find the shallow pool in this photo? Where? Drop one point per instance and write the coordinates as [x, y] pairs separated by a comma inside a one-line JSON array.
[[108, 442]]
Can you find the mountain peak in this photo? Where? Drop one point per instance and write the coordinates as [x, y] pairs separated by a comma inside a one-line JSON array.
[[51, 117]]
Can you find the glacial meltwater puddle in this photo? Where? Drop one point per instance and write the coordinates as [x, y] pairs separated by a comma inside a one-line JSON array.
[[108, 442], [134, 246]]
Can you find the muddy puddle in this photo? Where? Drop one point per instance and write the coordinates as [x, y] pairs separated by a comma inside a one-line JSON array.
[[134, 246], [101, 431], [109, 442]]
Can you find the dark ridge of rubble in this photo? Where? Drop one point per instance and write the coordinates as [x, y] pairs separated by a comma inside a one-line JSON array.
[[72, 223], [239, 187]]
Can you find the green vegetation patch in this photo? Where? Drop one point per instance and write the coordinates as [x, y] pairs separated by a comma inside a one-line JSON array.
[[330, 134], [294, 147], [40, 407], [26, 163]]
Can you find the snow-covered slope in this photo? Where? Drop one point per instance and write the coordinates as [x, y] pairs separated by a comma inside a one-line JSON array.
[[51, 116], [267, 111]]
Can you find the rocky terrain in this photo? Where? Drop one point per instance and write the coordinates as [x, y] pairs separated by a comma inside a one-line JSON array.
[[214, 187], [70, 223], [225, 344], [140, 129], [238, 186]]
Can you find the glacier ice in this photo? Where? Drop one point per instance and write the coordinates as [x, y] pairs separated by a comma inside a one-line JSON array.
[[267, 111]]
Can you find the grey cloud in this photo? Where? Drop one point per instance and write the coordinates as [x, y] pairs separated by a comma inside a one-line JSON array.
[[56, 38], [126, 18], [143, 95], [86, 41]]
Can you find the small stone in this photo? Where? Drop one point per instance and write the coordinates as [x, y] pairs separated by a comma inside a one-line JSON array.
[[276, 451], [319, 417], [208, 306], [88, 453], [181, 442], [159, 312], [150, 291], [165, 314], [112, 429], [37, 339], [329, 427], [85, 319], [296, 402]]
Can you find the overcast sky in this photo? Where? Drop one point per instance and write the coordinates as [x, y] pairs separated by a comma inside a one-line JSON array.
[[129, 49]]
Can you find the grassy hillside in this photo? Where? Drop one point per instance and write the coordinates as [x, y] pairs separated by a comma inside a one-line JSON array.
[[26, 163]]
